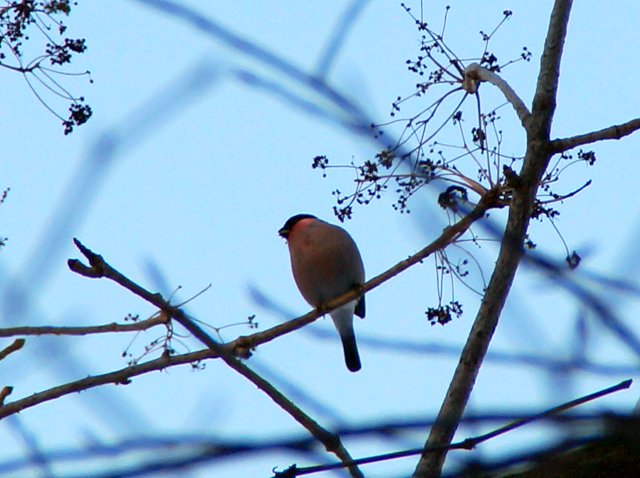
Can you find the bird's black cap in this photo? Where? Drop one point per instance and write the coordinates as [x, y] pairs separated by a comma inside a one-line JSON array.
[[292, 221]]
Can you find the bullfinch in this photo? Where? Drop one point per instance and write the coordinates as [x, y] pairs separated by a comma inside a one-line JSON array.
[[326, 263]]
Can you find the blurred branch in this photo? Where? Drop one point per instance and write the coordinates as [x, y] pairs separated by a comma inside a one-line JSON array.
[[36, 456], [618, 131], [338, 36], [176, 452], [86, 330], [358, 121], [511, 250], [587, 456], [503, 358], [601, 308]]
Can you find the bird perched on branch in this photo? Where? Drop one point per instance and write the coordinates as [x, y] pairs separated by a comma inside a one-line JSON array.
[[326, 263]]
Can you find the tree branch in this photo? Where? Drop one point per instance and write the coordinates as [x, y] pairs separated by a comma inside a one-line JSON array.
[[210, 448], [544, 100], [474, 73], [21, 69], [4, 393], [473, 442], [511, 249], [86, 330], [16, 345], [119, 377], [98, 268], [612, 132]]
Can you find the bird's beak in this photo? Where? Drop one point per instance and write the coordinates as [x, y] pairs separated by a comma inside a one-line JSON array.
[[284, 232]]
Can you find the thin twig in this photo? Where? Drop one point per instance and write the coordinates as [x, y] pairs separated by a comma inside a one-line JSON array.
[[86, 330], [618, 131], [473, 442], [16, 345], [119, 377]]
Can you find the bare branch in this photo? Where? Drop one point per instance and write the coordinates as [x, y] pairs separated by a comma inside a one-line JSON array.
[[98, 267], [562, 197], [612, 132], [21, 69], [16, 345], [544, 100], [511, 249], [4, 393], [473, 442], [119, 377], [475, 73], [86, 330]]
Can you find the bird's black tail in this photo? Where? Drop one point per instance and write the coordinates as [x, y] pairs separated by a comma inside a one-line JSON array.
[[351, 356]]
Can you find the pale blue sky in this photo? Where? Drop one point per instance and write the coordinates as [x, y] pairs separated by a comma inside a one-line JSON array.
[[203, 181]]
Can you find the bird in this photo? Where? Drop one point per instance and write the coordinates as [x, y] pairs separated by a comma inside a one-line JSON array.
[[326, 263]]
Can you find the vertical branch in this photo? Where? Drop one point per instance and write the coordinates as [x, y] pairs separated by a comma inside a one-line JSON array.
[[511, 250], [544, 100]]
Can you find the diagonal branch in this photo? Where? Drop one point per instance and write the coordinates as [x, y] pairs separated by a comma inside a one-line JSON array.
[[475, 441], [99, 268], [16, 345], [119, 377], [617, 131], [472, 442], [338, 36], [263, 56]]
